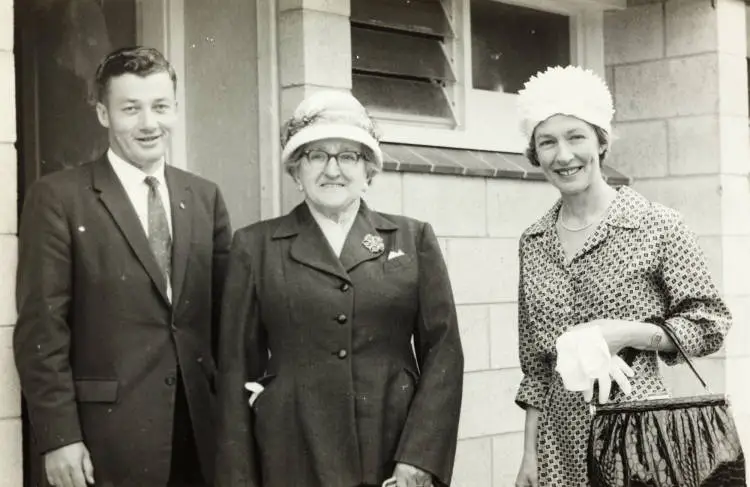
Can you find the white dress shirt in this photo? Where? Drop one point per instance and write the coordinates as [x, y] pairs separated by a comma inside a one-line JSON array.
[[134, 182], [336, 232]]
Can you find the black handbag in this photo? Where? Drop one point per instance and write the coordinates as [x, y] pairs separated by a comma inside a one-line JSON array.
[[679, 442]]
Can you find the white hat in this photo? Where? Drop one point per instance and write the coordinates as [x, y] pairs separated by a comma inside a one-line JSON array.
[[329, 115], [569, 90]]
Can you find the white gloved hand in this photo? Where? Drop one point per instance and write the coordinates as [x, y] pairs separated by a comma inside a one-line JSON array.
[[618, 372], [255, 390]]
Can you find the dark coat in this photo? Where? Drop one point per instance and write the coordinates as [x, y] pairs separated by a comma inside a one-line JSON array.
[[345, 395], [97, 344]]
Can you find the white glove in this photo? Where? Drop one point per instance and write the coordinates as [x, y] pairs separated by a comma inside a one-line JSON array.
[[255, 390], [619, 372]]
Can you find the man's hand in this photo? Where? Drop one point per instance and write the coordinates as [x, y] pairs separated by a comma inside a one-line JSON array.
[[69, 466], [410, 476]]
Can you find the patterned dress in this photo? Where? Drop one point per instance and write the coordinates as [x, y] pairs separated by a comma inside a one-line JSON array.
[[640, 262]]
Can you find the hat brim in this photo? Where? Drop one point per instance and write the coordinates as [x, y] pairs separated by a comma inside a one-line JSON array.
[[322, 131]]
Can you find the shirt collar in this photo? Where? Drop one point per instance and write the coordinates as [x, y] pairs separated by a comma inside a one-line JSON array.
[[131, 175], [626, 212]]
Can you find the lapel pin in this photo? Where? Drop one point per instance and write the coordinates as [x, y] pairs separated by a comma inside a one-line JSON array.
[[182, 205], [373, 243], [82, 229]]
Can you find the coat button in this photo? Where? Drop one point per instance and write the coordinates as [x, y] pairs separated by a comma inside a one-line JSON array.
[[342, 354], [344, 287], [341, 318], [170, 380]]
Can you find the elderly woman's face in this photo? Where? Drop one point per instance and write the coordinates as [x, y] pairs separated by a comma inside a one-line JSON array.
[[332, 174], [568, 151]]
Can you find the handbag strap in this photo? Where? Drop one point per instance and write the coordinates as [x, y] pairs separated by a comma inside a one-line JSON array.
[[661, 323]]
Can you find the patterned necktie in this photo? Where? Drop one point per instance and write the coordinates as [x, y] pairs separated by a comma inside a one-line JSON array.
[[158, 228]]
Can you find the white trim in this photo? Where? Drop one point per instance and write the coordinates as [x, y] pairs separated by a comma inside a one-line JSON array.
[[161, 25], [269, 119]]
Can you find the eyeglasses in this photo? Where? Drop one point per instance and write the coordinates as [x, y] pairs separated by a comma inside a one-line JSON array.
[[320, 158]]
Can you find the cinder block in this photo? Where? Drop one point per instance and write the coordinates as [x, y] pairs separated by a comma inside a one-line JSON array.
[[733, 85], [7, 96], [507, 450], [11, 452], [315, 49], [473, 465], [340, 7], [488, 407], [513, 205], [713, 251], [454, 205], [735, 151], [10, 399], [697, 198], [694, 145], [731, 22], [736, 265], [735, 201], [8, 265], [386, 193], [483, 270], [6, 21], [640, 149], [504, 336], [691, 27], [667, 88], [474, 323], [634, 34], [9, 194], [737, 342]]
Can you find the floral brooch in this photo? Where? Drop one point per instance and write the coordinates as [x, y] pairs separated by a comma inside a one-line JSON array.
[[373, 243]]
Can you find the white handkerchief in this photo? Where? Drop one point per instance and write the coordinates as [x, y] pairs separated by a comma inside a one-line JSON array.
[[255, 389], [394, 253]]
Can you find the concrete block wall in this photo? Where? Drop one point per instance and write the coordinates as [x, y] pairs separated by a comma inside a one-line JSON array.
[[678, 72], [478, 222], [10, 397]]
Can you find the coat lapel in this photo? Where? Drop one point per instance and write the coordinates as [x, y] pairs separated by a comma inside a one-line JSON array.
[[365, 223], [310, 247], [181, 201], [113, 196]]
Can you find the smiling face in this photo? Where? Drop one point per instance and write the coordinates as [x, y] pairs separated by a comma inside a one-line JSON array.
[[140, 113], [569, 153], [332, 187]]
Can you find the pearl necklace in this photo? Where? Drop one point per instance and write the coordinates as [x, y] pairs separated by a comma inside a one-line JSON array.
[[596, 219]]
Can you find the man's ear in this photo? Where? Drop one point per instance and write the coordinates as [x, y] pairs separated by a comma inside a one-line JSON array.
[[102, 114]]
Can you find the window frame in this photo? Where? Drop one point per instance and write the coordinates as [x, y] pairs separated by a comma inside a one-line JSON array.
[[486, 120]]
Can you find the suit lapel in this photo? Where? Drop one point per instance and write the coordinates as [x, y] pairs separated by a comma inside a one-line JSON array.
[[310, 247], [366, 223], [181, 201], [115, 199]]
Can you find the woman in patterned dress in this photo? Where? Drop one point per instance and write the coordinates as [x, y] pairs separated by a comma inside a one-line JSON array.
[[600, 257]]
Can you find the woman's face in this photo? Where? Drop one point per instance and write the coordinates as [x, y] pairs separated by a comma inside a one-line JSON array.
[[569, 153], [332, 184]]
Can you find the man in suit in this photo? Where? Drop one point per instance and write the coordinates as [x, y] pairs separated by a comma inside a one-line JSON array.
[[121, 266]]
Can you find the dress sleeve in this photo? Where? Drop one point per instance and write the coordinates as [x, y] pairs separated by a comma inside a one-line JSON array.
[[242, 357], [695, 311], [537, 372]]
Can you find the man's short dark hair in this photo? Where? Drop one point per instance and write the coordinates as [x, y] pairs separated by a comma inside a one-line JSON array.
[[138, 60]]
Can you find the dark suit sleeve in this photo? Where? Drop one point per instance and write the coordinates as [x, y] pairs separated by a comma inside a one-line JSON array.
[[242, 357], [430, 434], [221, 244], [41, 338]]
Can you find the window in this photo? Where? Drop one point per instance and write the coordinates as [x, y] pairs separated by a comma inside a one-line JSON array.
[[511, 43], [400, 69], [446, 72]]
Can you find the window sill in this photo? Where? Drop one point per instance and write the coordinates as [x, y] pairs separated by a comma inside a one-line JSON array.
[[471, 163]]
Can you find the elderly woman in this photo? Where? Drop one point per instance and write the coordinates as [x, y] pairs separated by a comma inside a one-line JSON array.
[[601, 260], [342, 322]]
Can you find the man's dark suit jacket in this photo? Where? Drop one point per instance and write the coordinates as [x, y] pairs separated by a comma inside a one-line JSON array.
[[97, 343]]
